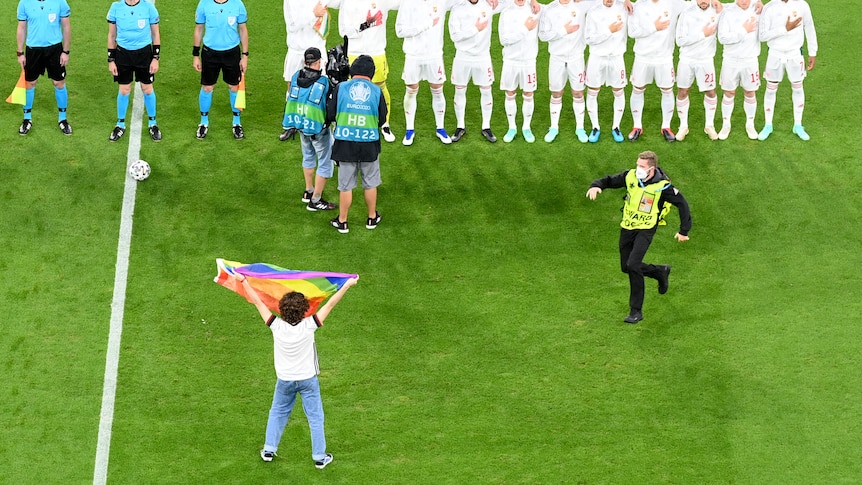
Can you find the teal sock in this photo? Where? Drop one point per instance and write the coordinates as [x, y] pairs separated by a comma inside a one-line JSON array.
[[205, 99], [233, 108], [62, 97], [122, 108], [150, 104], [28, 104]]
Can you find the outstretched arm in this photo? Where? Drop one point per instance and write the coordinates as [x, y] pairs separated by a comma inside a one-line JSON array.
[[255, 298], [327, 307]]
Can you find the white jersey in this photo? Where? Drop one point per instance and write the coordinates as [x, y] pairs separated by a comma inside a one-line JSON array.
[[519, 44], [470, 43], [598, 35], [415, 23], [295, 354], [693, 45], [552, 28], [774, 32], [299, 20], [739, 45], [651, 45], [352, 13]]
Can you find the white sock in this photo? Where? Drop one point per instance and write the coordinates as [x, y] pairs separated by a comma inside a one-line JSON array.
[[637, 108], [511, 110], [667, 100], [710, 106], [769, 102], [487, 100], [460, 104], [727, 109], [527, 106], [593, 107], [620, 107], [578, 106], [682, 105], [438, 103], [798, 98], [749, 106], [410, 107], [556, 105]]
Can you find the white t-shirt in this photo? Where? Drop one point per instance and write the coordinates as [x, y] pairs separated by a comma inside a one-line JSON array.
[[294, 349]]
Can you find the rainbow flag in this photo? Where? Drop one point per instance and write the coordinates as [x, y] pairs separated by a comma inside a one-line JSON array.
[[240, 94], [321, 25], [272, 282], [19, 94]]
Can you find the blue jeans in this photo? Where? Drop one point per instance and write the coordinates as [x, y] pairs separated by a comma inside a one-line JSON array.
[[282, 404]]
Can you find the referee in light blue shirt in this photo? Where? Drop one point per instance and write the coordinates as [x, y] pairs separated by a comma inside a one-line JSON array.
[[134, 47], [221, 26], [44, 34]]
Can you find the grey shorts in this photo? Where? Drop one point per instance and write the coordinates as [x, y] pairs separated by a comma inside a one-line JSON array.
[[368, 171]]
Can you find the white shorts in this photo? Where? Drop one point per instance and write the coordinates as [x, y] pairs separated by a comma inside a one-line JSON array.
[[644, 73], [606, 71], [734, 75], [481, 72], [560, 71], [416, 70], [517, 75], [776, 67], [295, 61], [688, 71]]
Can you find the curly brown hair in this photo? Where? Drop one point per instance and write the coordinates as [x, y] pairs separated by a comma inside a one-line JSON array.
[[292, 307]]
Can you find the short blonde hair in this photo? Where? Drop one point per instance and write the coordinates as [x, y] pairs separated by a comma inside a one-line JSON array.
[[650, 157]]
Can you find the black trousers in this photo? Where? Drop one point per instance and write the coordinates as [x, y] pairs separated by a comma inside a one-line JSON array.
[[633, 247]]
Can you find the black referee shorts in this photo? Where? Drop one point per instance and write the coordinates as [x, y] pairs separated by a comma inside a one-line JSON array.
[[134, 63], [213, 61], [41, 59]]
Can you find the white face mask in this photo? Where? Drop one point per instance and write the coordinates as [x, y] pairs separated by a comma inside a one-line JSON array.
[[641, 173]]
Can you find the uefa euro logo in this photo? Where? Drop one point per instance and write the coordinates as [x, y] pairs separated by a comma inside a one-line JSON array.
[[360, 92]]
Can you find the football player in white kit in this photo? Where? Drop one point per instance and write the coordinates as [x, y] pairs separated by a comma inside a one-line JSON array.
[[695, 35], [784, 26], [306, 23], [605, 33], [470, 28], [519, 36], [420, 23], [737, 32], [364, 24]]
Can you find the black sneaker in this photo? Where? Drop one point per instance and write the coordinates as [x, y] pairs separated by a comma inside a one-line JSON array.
[[663, 279], [668, 135], [325, 461], [372, 222], [320, 205], [306, 196], [64, 127], [155, 133], [202, 132], [287, 134], [635, 134], [459, 133], [341, 226], [25, 127], [116, 133], [267, 455], [237, 132], [489, 135], [634, 317]]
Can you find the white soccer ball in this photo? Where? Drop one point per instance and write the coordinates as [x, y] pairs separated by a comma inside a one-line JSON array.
[[139, 170]]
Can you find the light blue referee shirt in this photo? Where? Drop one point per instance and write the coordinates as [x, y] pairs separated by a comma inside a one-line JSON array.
[[221, 21], [133, 23], [43, 21]]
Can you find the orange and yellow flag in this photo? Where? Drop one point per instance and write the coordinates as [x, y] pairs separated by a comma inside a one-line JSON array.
[[240, 94], [19, 94]]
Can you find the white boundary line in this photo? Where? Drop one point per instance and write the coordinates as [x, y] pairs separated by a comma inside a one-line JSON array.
[[118, 304]]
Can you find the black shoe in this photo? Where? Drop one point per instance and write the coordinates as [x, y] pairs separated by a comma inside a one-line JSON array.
[[237, 132], [116, 133], [322, 463], [287, 134], [459, 133], [372, 222], [635, 134], [634, 317], [64, 127], [489, 135], [668, 135], [25, 127], [320, 205], [663, 279], [202, 132], [306, 196], [155, 133], [341, 226]]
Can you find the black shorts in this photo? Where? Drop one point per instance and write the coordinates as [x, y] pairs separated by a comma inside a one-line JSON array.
[[213, 61], [41, 59], [135, 63]]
